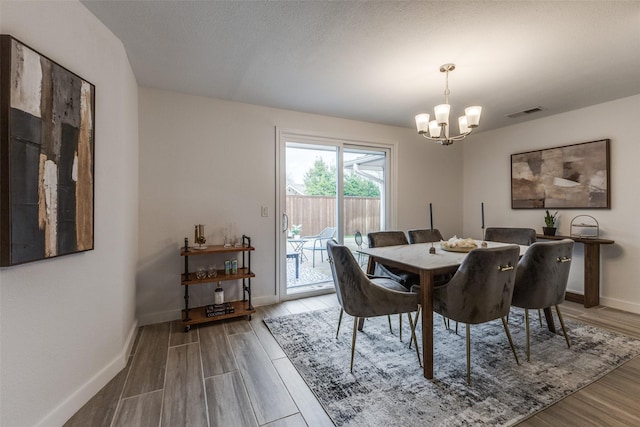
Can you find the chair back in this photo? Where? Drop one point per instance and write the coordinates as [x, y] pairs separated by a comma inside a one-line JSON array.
[[542, 274], [379, 239], [424, 236], [482, 288], [517, 236], [327, 233], [356, 293]]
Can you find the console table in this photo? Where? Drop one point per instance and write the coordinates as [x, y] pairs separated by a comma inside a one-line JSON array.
[[591, 295]]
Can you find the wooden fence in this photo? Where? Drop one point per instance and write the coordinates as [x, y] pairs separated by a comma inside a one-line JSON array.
[[315, 213]]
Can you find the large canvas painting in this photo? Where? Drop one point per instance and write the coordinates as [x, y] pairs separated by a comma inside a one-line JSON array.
[[573, 176], [46, 157]]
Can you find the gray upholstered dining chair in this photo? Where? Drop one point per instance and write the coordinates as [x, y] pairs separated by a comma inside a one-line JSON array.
[[318, 242], [541, 280], [426, 235], [362, 297], [480, 291], [380, 239], [515, 235]]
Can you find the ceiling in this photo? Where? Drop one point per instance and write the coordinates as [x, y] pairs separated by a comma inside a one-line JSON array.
[[379, 61]]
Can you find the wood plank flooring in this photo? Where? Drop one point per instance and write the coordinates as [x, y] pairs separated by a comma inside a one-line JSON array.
[[233, 373]]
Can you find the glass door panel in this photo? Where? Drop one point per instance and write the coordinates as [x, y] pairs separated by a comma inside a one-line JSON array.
[[311, 210], [327, 189], [364, 178]]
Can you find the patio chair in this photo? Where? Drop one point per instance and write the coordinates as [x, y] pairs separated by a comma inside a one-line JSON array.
[[318, 242]]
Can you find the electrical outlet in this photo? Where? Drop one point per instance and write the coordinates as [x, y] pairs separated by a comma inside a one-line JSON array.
[[264, 211]]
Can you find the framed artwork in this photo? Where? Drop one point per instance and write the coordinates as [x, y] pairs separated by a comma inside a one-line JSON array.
[[47, 119], [573, 177]]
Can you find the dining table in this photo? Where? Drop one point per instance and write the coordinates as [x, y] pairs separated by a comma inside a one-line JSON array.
[[417, 258]]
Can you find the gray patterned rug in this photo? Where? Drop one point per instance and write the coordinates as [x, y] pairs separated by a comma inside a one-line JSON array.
[[387, 387]]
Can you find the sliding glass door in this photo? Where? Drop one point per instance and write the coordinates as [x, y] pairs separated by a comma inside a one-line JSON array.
[[328, 189]]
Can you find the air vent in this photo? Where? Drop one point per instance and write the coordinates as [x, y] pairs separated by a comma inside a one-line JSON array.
[[524, 112]]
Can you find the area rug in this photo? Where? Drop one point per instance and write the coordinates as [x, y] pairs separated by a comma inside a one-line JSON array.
[[387, 387]]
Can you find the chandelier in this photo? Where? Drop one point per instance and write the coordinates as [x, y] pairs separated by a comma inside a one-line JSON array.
[[438, 130]]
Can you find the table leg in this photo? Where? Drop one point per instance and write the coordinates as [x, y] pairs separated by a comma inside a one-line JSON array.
[[591, 275], [426, 287]]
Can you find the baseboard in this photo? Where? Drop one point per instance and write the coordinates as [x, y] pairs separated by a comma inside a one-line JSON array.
[[77, 399], [574, 297], [159, 317], [620, 305]]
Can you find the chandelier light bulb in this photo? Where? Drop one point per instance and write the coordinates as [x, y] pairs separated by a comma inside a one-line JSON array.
[[422, 123], [462, 123], [473, 116], [434, 129], [442, 113]]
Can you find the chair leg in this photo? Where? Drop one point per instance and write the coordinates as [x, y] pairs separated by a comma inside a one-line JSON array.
[[400, 325], [390, 330], [415, 322], [339, 321], [353, 342], [314, 259], [468, 354], [528, 333], [413, 337], [564, 331], [540, 317], [506, 329]]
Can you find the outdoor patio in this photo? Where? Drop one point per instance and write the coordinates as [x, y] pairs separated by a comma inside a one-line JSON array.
[[318, 277]]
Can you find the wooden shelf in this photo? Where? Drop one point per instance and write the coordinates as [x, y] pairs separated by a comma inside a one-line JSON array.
[[216, 249], [198, 314], [587, 240], [243, 273]]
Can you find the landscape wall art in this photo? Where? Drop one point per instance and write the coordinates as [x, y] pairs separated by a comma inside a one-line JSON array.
[[573, 176]]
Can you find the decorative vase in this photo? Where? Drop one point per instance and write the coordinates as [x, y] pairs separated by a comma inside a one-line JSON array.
[[549, 231]]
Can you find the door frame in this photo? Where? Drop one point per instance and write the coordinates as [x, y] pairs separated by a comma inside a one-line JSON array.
[[311, 137]]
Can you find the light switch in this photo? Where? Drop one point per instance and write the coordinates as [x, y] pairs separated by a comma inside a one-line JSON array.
[[264, 211]]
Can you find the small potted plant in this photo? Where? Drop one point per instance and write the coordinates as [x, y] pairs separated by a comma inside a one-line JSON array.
[[295, 231], [550, 224]]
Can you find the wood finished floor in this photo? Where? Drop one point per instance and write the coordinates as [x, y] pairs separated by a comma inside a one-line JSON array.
[[233, 373]]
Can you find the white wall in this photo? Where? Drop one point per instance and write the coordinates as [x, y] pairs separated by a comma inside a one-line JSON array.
[[209, 161], [66, 322], [487, 179]]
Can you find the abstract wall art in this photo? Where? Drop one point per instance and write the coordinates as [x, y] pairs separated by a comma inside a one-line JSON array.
[[47, 119], [573, 176]]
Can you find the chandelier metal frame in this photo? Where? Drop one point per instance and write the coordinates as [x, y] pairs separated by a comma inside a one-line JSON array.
[[438, 130]]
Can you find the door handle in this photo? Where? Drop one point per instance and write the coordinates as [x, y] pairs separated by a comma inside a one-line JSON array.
[[285, 222]]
